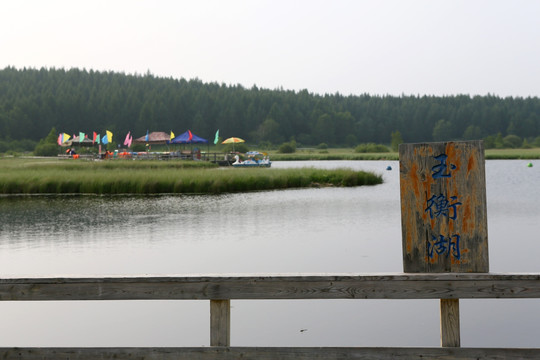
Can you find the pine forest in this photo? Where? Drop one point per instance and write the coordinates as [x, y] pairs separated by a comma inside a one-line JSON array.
[[33, 101]]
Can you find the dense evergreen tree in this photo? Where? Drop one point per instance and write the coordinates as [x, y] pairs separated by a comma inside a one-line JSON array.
[[33, 101], [396, 139], [47, 146]]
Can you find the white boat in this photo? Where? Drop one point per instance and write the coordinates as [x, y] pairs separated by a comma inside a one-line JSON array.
[[255, 159]]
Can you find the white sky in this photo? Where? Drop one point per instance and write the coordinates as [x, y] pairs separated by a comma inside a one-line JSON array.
[[411, 47]]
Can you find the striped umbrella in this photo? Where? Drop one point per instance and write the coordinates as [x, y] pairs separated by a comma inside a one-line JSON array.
[[233, 140]]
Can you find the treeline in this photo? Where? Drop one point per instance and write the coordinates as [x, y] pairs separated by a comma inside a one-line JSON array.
[[34, 101]]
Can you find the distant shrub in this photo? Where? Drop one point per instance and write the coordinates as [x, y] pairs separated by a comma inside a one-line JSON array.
[[512, 141], [322, 146], [287, 148], [46, 150], [371, 148]]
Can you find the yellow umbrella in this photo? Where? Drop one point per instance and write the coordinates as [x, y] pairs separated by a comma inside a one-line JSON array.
[[233, 140]]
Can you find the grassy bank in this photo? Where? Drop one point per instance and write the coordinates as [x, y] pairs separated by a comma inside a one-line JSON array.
[[510, 154], [334, 156], [37, 176], [349, 154]]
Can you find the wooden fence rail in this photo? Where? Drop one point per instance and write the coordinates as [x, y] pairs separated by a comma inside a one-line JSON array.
[[449, 287]]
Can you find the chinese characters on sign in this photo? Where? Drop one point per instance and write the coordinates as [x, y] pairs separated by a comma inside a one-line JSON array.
[[444, 246], [440, 205], [443, 207], [439, 170]]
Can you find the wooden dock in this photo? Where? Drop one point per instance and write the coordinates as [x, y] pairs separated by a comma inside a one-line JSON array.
[[220, 290], [214, 157]]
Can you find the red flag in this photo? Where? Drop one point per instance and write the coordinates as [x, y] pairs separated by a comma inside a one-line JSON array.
[[190, 135], [94, 139]]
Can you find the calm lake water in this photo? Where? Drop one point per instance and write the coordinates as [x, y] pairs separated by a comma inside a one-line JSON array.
[[331, 230]]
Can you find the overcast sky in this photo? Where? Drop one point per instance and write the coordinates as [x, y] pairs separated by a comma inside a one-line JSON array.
[[413, 47]]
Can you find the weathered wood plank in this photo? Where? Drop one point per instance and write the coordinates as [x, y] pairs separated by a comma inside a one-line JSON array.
[[382, 286], [220, 322], [268, 353], [443, 207], [450, 334]]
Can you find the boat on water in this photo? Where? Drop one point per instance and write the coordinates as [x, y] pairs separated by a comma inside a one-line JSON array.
[[254, 159]]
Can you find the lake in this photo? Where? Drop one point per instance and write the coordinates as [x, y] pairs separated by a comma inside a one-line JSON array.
[[327, 230]]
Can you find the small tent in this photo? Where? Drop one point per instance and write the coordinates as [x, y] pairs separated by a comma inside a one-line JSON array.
[[188, 138], [75, 142], [156, 137]]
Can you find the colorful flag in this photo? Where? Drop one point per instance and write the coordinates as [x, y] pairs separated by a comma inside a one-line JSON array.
[[190, 135], [146, 138], [172, 135], [126, 141], [217, 137], [81, 136], [109, 136], [104, 139], [98, 139], [130, 141], [62, 138], [94, 138]]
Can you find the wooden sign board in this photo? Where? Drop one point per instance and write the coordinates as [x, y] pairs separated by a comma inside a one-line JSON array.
[[443, 207]]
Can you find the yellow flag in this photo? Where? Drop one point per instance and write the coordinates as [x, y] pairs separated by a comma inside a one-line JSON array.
[[109, 136], [172, 135]]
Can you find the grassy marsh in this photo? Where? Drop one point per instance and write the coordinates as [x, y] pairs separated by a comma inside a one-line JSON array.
[[52, 176]]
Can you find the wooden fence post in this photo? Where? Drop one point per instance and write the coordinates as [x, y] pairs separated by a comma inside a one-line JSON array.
[[450, 334], [220, 322]]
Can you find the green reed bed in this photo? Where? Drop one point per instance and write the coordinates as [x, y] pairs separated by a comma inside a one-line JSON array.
[[347, 154], [334, 156], [155, 177], [513, 154]]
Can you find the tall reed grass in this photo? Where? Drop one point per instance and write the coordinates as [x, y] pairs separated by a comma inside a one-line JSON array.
[[335, 156], [344, 154], [161, 177]]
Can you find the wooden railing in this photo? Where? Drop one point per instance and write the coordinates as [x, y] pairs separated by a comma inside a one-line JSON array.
[[449, 287]]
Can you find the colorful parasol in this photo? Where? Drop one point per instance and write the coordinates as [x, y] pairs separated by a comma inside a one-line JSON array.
[[233, 140]]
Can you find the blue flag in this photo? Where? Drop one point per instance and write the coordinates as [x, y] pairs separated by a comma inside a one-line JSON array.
[[146, 138]]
